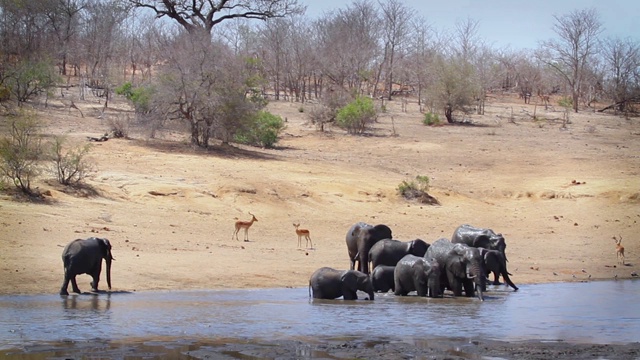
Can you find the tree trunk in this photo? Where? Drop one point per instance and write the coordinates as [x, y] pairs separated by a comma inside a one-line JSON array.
[[448, 113]]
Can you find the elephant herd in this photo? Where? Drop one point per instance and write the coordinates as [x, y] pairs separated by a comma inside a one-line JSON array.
[[459, 265]]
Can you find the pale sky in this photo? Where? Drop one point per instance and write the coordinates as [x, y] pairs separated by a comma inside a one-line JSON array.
[[515, 23]]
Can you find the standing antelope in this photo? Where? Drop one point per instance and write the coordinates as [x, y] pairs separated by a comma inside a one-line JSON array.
[[244, 225], [619, 249], [301, 233]]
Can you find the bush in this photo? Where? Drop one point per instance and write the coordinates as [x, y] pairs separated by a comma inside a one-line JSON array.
[[139, 96], [263, 131], [28, 78], [20, 153], [356, 115], [417, 189], [69, 165], [119, 127], [431, 119]]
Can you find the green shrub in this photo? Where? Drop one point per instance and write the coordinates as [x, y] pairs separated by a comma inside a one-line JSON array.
[[356, 115], [139, 96], [263, 130], [27, 79], [431, 119], [20, 153], [69, 165], [417, 189], [566, 102]]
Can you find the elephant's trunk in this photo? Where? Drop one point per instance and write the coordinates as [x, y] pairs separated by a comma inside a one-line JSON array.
[[507, 279], [479, 291], [371, 296], [469, 274], [481, 281], [108, 261]]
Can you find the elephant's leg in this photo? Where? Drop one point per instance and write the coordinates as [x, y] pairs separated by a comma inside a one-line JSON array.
[[454, 284], [65, 285], [496, 277], [74, 285], [469, 288], [349, 295], [94, 283], [363, 264]]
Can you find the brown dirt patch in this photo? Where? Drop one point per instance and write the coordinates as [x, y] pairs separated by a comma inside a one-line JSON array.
[[169, 210]]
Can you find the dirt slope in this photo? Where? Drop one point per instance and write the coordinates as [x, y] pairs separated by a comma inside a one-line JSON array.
[[169, 210]]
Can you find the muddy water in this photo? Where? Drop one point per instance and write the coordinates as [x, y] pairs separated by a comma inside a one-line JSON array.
[[593, 312]]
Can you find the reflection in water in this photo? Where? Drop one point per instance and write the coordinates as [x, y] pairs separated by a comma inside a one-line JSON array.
[[582, 312], [96, 303]]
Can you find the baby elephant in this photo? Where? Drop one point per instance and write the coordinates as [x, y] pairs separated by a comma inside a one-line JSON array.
[[414, 273], [382, 278], [328, 283], [495, 262]]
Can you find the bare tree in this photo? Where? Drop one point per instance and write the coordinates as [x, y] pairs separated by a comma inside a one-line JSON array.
[[274, 36], [206, 87], [487, 74], [456, 85], [621, 59], [396, 21], [203, 15], [64, 17], [347, 42], [419, 58], [570, 54], [466, 39]]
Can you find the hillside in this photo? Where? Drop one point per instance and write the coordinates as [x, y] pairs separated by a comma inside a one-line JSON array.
[[557, 195]]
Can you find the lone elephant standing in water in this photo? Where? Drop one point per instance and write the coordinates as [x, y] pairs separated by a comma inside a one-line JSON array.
[[84, 256], [329, 283]]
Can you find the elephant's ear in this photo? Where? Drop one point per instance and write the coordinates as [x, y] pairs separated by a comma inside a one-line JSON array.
[[105, 247], [482, 241], [458, 267], [106, 243], [350, 279]]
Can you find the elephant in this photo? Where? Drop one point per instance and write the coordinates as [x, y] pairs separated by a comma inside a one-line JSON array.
[[461, 266], [479, 238], [416, 273], [84, 256], [360, 238], [329, 283], [382, 278], [389, 252], [494, 262]]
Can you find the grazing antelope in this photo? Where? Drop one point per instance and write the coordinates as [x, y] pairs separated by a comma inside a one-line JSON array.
[[301, 233], [619, 249], [244, 225]]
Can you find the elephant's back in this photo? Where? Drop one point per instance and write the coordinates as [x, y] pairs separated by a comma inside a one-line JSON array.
[[73, 248], [383, 271], [464, 234], [439, 249], [383, 245], [407, 261]]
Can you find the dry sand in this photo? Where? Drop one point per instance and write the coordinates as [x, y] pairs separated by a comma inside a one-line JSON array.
[[557, 195]]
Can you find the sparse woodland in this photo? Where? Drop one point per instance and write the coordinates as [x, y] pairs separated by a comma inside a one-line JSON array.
[[211, 65]]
